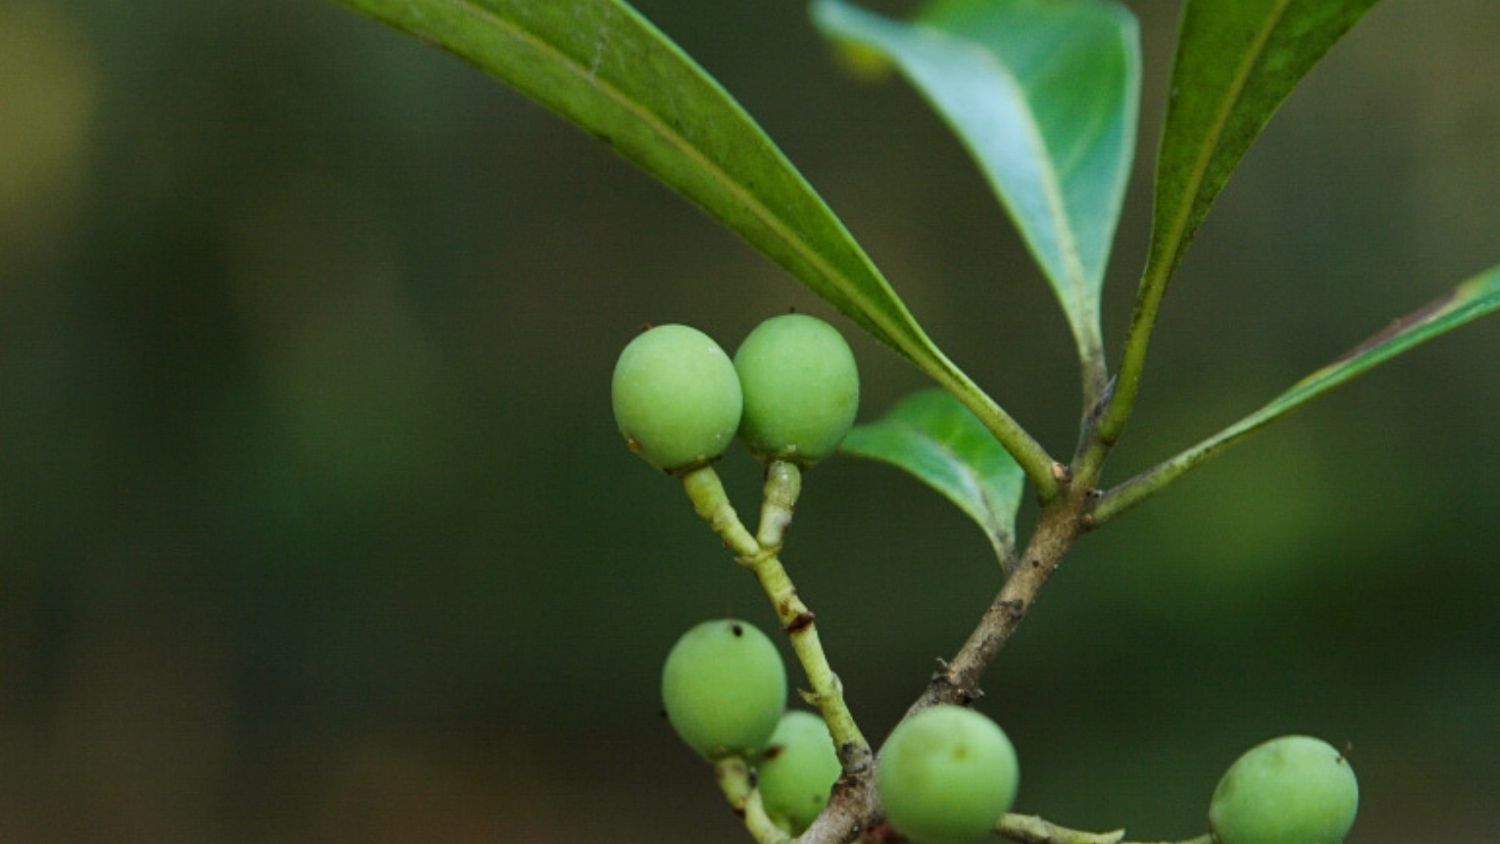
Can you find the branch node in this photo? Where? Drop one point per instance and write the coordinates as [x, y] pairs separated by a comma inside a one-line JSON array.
[[802, 621], [855, 760], [1061, 473]]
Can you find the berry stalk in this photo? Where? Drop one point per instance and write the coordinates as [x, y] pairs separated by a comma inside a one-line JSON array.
[[827, 690], [783, 483], [1030, 829], [739, 789], [782, 488]]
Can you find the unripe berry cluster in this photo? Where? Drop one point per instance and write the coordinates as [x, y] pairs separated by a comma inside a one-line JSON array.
[[791, 393], [947, 774], [724, 691]]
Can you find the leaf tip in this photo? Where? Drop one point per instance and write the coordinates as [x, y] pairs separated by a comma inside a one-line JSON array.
[[855, 58]]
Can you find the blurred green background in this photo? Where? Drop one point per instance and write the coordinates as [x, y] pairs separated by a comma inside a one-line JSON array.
[[314, 524]]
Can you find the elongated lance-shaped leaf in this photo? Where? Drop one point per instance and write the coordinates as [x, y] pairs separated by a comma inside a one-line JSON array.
[[1044, 95], [601, 65], [1237, 60], [1467, 302], [940, 443]]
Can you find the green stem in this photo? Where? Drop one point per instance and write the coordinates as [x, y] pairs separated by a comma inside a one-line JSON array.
[[711, 503], [827, 690], [1091, 358], [1153, 480], [1127, 384], [1030, 829], [783, 482], [761, 827], [739, 790], [1045, 473], [733, 776]]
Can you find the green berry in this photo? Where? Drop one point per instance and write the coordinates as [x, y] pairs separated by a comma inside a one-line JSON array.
[[801, 389], [724, 688], [796, 770], [1289, 790], [946, 776], [676, 397]]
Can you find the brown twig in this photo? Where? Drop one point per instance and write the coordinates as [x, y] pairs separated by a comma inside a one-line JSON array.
[[854, 806]]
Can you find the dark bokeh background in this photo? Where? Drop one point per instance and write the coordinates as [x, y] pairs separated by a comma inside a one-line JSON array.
[[314, 525]]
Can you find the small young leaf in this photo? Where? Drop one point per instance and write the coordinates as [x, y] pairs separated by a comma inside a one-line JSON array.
[[1044, 94], [940, 443], [601, 65], [1469, 301], [1237, 60]]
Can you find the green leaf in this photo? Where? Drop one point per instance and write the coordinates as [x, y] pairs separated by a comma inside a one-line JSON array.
[[1469, 301], [1237, 60], [601, 65], [1044, 95], [940, 443]]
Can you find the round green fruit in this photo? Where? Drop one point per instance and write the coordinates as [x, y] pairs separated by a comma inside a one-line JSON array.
[[801, 389], [724, 688], [946, 776], [1289, 790], [676, 397], [796, 770]]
